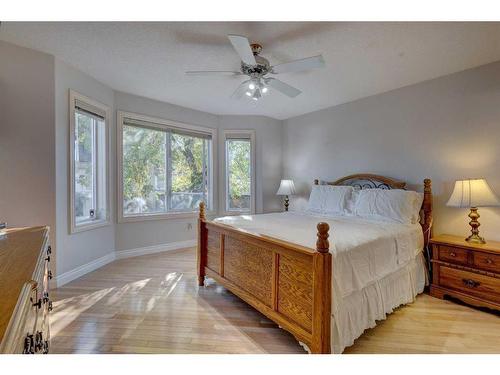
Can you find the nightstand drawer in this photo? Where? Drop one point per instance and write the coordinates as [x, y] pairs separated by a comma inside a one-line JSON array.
[[482, 286], [453, 254], [487, 262]]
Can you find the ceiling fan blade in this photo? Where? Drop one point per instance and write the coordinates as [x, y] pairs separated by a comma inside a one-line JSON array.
[[212, 73], [283, 87], [313, 62], [240, 91], [242, 47]]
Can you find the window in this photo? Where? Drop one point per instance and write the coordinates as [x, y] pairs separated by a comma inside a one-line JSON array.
[[165, 168], [239, 171], [88, 177]]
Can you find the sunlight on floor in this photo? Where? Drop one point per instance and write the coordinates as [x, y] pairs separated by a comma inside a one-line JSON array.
[[67, 310]]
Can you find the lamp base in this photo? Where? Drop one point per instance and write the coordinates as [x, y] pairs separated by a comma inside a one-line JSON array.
[[474, 223], [474, 238], [287, 203]]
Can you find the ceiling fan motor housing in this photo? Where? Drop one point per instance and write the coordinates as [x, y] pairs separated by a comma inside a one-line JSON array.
[[256, 48], [262, 68]]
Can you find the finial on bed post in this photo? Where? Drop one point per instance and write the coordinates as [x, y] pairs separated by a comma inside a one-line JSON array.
[[316, 182], [427, 185], [322, 244], [202, 211]]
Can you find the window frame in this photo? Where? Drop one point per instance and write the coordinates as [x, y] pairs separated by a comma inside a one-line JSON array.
[[100, 107], [165, 125], [238, 134]]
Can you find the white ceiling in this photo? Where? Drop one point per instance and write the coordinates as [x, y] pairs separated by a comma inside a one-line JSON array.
[[362, 59]]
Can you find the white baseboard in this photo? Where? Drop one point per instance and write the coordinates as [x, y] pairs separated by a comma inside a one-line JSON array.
[[77, 272], [121, 254]]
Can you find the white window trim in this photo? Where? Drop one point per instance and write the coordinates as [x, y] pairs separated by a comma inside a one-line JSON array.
[[73, 227], [250, 134], [162, 124]]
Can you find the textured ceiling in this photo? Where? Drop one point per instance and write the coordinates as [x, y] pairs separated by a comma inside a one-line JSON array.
[[362, 59]]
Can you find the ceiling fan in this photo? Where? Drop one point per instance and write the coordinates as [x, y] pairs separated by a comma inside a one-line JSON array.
[[257, 68]]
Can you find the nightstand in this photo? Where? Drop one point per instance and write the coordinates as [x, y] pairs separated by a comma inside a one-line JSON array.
[[467, 271]]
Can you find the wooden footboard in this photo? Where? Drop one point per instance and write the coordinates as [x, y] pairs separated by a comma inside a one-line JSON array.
[[288, 283]]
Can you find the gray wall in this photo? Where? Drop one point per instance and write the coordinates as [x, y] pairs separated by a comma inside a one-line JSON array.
[[445, 129], [79, 248], [132, 235], [27, 142]]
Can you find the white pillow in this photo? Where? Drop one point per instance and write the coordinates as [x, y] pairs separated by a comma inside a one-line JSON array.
[[397, 205], [328, 199]]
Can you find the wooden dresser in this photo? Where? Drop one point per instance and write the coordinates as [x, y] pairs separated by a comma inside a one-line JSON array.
[[24, 286], [467, 271]]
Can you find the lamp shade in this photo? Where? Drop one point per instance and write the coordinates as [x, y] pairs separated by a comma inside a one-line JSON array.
[[286, 188], [472, 193]]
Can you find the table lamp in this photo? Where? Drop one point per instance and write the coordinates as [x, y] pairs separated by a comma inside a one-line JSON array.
[[286, 188], [473, 193]]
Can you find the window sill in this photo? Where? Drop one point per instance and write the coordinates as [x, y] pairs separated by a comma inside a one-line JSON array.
[[168, 216], [90, 225]]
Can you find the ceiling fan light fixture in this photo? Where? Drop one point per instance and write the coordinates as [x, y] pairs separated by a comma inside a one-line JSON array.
[[265, 90], [251, 86], [257, 94], [248, 93]]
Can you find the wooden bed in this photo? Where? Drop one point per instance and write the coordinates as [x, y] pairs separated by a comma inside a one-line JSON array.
[[288, 283]]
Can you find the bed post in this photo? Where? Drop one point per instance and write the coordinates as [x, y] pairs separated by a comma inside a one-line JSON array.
[[202, 245], [427, 208], [322, 292]]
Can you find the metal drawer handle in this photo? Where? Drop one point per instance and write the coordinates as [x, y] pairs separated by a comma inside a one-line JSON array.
[[453, 254], [38, 341], [469, 283], [49, 250], [49, 275], [45, 347], [29, 345], [38, 303], [488, 261], [47, 300]]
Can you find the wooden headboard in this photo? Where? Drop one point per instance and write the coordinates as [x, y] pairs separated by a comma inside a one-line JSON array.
[[373, 181]]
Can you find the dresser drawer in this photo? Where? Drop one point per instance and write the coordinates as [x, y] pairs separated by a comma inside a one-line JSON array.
[[481, 286], [487, 262], [23, 322], [453, 254], [24, 310]]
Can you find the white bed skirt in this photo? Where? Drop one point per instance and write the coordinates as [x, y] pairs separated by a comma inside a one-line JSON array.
[[362, 309]]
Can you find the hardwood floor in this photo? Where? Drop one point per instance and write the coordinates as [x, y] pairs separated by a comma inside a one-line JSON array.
[[151, 304]]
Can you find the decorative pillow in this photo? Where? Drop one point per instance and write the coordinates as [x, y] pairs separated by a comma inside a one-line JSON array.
[[398, 205], [328, 199]]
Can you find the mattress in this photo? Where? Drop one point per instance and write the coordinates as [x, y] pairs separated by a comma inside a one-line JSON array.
[[378, 265]]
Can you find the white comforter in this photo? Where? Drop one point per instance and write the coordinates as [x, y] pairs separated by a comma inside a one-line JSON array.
[[377, 264]]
